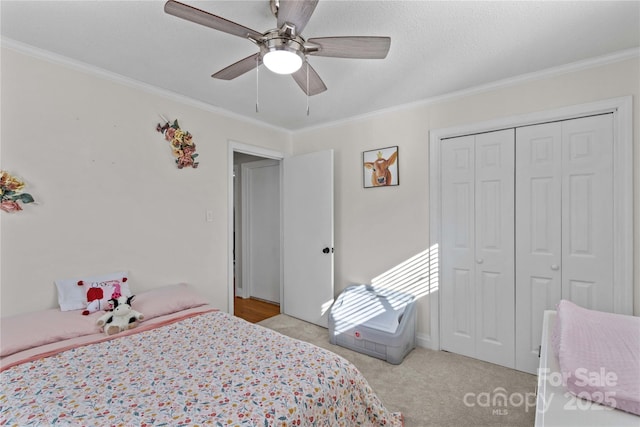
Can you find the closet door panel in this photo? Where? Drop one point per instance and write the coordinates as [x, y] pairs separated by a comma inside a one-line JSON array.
[[457, 258], [538, 232], [494, 247], [489, 295], [462, 309], [587, 205]]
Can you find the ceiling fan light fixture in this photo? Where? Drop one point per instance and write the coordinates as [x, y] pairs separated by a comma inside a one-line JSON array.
[[282, 54], [282, 61]]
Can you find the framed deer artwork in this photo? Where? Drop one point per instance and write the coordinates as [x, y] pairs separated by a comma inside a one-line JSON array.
[[380, 167]]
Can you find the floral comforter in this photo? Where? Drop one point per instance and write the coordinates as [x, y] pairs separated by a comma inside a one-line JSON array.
[[211, 369]]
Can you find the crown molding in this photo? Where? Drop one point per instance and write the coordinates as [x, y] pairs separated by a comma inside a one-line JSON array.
[[67, 62], [499, 84], [595, 62]]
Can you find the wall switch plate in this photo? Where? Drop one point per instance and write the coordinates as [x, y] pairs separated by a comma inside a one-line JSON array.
[[209, 216]]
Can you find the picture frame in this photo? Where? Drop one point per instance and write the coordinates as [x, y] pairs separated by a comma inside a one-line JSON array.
[[380, 167]]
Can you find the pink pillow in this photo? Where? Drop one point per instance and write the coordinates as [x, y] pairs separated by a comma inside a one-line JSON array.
[[167, 300], [25, 331]]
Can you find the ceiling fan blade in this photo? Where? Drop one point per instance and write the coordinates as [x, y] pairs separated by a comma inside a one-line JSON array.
[[316, 85], [239, 68], [296, 12], [360, 47], [201, 17]]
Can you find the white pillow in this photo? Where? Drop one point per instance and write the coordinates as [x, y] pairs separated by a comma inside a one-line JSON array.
[[72, 293]]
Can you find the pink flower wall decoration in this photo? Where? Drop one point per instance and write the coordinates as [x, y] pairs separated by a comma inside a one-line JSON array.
[[181, 142], [11, 192]]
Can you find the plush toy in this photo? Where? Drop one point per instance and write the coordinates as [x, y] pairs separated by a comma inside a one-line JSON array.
[[121, 318], [99, 295]]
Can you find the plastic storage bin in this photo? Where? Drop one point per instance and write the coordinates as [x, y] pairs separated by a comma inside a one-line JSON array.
[[377, 322]]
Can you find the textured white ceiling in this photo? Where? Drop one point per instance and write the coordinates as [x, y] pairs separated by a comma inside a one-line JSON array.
[[437, 47]]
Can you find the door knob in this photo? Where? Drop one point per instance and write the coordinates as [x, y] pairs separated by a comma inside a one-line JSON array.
[[555, 267], [479, 260], [326, 250]]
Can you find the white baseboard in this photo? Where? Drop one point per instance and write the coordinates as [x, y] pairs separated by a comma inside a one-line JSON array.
[[424, 341]]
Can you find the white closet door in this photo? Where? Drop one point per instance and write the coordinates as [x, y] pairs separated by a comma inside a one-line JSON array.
[[564, 223], [477, 247], [494, 277], [587, 205], [538, 244], [458, 245]]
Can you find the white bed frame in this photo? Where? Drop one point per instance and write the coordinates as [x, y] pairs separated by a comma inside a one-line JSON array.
[[555, 406]]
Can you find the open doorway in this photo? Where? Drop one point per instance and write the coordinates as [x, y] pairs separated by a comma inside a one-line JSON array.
[[256, 237], [305, 238]]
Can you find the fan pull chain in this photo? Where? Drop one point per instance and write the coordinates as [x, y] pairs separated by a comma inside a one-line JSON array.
[[307, 63], [257, 80]]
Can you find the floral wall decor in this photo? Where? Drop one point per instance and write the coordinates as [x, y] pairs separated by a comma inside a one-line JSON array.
[[181, 142], [11, 192]]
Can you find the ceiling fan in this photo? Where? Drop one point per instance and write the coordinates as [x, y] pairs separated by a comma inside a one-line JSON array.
[[283, 50]]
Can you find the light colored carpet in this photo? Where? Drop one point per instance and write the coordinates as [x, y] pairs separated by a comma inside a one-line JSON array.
[[434, 388]]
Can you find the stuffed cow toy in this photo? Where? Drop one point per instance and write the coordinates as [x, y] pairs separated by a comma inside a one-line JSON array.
[[121, 318]]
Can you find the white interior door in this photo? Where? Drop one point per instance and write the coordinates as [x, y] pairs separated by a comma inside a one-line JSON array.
[[538, 235], [457, 269], [494, 248], [308, 236], [587, 206], [477, 292], [564, 230], [261, 230]]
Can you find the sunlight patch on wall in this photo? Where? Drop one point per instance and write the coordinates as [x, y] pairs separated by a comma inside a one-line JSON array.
[[325, 307], [417, 275]]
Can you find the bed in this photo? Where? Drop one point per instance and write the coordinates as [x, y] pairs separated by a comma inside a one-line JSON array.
[[184, 364], [589, 371]]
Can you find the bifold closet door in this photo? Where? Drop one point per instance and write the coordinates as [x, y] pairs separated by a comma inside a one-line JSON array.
[[457, 253], [587, 206], [477, 254], [564, 223], [538, 230]]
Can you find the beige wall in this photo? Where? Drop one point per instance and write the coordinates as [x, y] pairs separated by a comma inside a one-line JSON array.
[[109, 195], [377, 229]]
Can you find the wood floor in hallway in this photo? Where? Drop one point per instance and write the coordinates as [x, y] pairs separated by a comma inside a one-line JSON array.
[[254, 310]]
